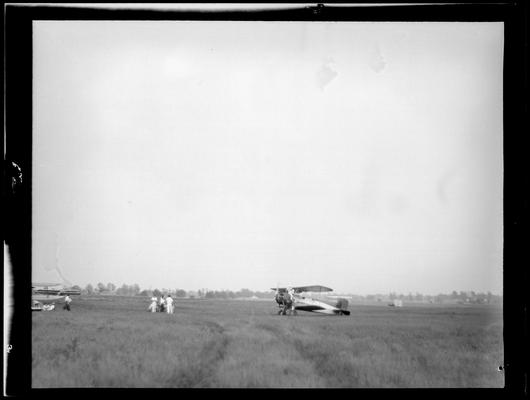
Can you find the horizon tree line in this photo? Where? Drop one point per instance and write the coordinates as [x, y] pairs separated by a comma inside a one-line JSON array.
[[135, 290]]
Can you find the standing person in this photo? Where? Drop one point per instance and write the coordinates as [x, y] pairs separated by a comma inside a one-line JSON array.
[[67, 301], [169, 302], [290, 291], [163, 303], [152, 306]]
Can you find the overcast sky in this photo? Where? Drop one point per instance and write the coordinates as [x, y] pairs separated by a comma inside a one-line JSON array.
[[366, 157]]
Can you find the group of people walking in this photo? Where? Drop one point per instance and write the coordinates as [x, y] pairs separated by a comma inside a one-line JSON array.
[[161, 304]]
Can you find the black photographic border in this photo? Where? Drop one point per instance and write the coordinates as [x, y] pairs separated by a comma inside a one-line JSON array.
[[18, 20]]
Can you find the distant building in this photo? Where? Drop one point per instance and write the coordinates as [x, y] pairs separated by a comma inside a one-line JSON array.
[[396, 303]]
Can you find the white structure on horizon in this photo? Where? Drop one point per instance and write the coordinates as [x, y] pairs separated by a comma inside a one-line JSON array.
[[396, 303]]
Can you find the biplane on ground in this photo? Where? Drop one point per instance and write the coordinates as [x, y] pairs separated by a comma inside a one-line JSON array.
[[310, 298]]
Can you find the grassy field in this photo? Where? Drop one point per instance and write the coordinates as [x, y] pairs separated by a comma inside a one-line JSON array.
[[115, 342]]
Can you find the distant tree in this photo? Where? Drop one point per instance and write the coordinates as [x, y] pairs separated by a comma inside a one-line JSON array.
[[454, 295], [482, 298], [111, 287], [76, 287], [124, 290], [244, 293], [489, 297], [497, 299], [444, 297], [101, 287], [135, 289], [146, 292], [180, 293], [89, 289], [157, 293]]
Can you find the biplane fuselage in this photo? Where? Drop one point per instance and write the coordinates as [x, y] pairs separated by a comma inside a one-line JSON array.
[[321, 305]]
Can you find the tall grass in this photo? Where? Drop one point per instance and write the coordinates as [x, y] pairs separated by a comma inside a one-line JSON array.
[[115, 342]]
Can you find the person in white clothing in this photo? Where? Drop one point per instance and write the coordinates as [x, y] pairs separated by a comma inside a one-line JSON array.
[[169, 304], [67, 301], [152, 306], [290, 292]]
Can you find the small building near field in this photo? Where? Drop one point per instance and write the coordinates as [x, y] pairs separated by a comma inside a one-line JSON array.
[[396, 303]]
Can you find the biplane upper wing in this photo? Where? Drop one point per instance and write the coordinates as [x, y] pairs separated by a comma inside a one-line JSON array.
[[300, 289], [313, 288]]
